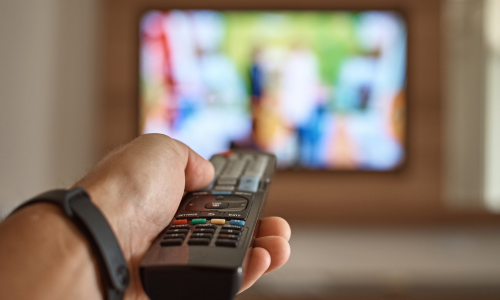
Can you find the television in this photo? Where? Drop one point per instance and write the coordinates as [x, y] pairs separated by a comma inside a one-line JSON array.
[[319, 89]]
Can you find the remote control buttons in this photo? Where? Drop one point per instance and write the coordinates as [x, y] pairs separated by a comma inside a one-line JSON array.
[[236, 216], [209, 226], [226, 243], [230, 231], [177, 230], [198, 221], [172, 242], [226, 227], [204, 230], [210, 215], [237, 222], [175, 235], [229, 237], [187, 216], [197, 241], [227, 181], [221, 192], [216, 205], [180, 222], [249, 184], [184, 226], [218, 221], [224, 188], [201, 235]]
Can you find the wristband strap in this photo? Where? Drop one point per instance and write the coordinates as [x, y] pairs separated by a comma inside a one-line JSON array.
[[88, 218]]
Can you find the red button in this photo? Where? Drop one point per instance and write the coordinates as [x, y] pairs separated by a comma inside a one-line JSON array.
[[179, 222]]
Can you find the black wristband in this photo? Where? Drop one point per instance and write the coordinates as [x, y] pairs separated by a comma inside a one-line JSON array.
[[88, 218]]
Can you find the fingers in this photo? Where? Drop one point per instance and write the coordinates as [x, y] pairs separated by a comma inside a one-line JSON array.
[[259, 262], [274, 226], [199, 171], [277, 247], [271, 250], [269, 253]]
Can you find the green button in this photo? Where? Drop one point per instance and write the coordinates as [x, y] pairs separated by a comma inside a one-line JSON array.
[[198, 221]]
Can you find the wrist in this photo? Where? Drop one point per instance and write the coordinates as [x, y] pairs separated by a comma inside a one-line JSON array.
[[114, 203]]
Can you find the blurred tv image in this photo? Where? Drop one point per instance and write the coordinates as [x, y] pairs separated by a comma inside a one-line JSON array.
[[320, 90]]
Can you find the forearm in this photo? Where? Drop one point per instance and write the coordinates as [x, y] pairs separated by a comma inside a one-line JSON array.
[[43, 255]]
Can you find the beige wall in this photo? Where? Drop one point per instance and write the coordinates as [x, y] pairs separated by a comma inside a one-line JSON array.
[[47, 95]]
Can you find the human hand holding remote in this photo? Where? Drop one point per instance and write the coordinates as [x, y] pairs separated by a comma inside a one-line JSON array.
[[139, 186]]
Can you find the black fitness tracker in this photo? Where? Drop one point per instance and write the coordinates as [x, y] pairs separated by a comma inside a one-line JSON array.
[[88, 218]]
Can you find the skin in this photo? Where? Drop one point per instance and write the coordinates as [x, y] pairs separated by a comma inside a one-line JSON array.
[[138, 188]]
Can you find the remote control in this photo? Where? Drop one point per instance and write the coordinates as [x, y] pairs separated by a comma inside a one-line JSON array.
[[203, 253]]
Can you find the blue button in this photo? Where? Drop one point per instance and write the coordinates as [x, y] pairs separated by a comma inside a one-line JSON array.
[[237, 223], [249, 184], [221, 192]]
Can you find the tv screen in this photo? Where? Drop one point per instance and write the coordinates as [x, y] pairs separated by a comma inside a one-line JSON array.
[[320, 90]]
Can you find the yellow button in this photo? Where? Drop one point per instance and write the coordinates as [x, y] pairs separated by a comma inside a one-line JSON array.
[[218, 221]]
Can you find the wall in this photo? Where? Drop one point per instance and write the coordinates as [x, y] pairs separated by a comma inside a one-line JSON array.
[[47, 95]]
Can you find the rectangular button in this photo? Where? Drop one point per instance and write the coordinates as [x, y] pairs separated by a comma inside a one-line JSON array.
[[199, 241], [206, 226], [249, 184], [229, 237], [216, 205], [218, 162], [184, 226], [198, 221], [230, 231], [177, 230], [221, 192], [227, 181], [225, 227], [204, 230], [171, 242], [226, 243], [224, 188], [210, 215], [218, 221], [237, 222], [175, 236], [235, 216], [234, 169], [180, 222], [201, 235], [187, 216], [257, 167]]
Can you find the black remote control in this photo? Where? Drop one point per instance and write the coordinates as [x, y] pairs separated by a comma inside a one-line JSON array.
[[202, 254]]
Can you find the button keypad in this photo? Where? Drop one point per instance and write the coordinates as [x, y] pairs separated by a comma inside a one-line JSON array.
[[201, 235], [226, 203], [230, 231], [175, 235], [225, 227], [226, 243], [198, 241], [204, 230], [229, 237], [178, 230]]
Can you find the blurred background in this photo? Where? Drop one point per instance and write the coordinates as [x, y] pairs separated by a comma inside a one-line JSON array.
[[422, 227]]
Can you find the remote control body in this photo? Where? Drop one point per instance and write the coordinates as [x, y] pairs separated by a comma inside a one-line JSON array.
[[204, 251]]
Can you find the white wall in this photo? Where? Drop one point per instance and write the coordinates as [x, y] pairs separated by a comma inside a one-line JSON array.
[[47, 95]]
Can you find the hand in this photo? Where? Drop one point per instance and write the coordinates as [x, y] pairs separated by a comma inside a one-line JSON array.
[[138, 187]]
